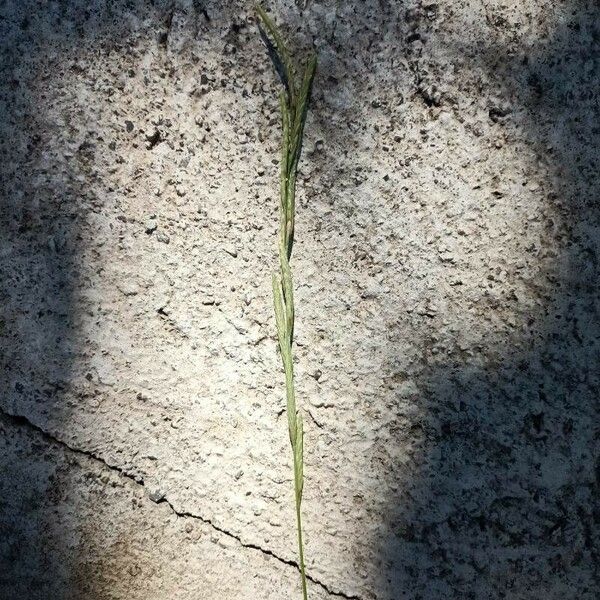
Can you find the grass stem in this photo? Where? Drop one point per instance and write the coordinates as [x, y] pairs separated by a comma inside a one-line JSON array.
[[293, 105]]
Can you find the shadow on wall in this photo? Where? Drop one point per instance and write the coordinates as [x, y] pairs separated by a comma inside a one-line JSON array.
[[47, 218], [501, 460], [505, 500], [39, 270]]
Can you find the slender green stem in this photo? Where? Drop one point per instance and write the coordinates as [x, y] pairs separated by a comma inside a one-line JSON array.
[[301, 551], [293, 105]]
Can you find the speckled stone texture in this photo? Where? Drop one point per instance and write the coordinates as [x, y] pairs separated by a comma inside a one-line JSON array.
[[448, 306]]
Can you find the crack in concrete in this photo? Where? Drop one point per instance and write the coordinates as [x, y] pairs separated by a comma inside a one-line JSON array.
[[22, 421]]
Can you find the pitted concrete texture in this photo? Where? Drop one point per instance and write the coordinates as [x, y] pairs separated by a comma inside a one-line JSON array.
[[124, 545], [446, 273]]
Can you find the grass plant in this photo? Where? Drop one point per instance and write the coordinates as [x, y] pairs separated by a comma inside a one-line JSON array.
[[293, 102]]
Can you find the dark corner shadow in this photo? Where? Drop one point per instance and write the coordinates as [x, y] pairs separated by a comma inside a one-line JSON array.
[[507, 500], [44, 205]]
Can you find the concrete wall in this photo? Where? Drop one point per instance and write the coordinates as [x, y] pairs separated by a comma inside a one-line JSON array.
[[446, 272]]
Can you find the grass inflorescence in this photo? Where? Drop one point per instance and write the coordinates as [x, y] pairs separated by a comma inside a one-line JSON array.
[[293, 102]]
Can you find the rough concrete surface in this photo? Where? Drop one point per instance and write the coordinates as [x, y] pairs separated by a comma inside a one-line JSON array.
[[446, 271]]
